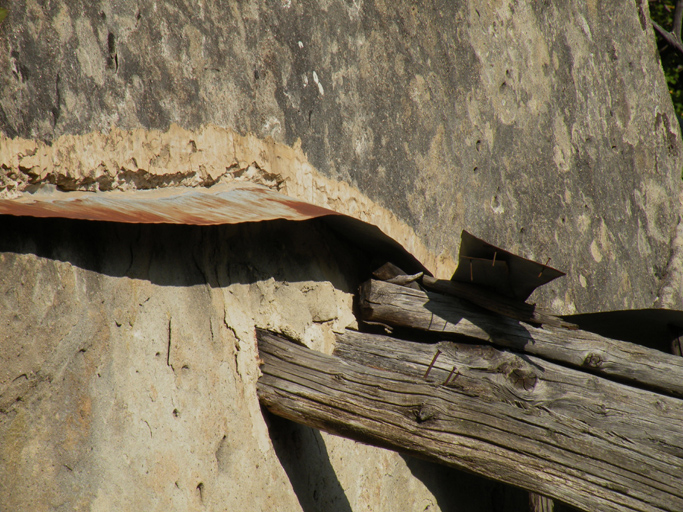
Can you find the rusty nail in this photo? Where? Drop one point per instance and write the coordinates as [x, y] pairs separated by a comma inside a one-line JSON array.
[[449, 376], [544, 267], [494, 259], [471, 273], [432, 363]]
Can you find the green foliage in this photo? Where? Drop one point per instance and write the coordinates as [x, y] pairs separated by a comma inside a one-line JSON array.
[[3, 14], [662, 12]]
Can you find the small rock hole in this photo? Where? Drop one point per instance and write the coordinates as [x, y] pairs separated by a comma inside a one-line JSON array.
[[113, 59]]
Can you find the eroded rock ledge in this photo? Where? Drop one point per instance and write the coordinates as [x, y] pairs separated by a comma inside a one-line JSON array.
[[144, 159]]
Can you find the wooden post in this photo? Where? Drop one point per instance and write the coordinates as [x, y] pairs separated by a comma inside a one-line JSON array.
[[538, 503], [559, 432], [677, 342]]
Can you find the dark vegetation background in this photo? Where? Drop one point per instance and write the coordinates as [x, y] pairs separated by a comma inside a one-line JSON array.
[[662, 12]]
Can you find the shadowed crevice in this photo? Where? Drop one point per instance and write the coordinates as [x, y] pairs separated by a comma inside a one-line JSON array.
[[303, 455]]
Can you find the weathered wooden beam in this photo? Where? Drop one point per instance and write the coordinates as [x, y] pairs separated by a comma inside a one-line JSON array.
[[479, 296], [400, 306], [587, 441], [505, 306], [538, 503], [487, 299]]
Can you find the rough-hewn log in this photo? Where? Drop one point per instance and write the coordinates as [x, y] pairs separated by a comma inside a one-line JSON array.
[[481, 297], [400, 306], [538, 503], [585, 440], [476, 294]]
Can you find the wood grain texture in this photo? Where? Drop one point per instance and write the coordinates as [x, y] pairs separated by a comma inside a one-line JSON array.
[[400, 306], [494, 302], [538, 503], [587, 441]]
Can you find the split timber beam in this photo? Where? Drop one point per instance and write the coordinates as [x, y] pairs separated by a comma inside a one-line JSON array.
[[396, 305], [590, 442]]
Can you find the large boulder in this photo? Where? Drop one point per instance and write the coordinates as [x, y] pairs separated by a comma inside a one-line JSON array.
[[545, 128]]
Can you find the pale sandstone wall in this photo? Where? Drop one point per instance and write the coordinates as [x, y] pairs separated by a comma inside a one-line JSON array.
[[128, 370], [544, 127]]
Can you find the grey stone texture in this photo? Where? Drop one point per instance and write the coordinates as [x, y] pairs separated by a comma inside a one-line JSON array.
[[544, 127], [127, 355]]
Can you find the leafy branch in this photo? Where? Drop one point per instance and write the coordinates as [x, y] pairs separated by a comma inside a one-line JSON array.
[[673, 38]]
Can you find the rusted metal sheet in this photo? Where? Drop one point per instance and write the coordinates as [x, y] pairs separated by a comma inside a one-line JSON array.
[[486, 265], [221, 204]]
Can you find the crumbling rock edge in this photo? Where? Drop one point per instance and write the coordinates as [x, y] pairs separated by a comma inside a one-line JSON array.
[[146, 159], [670, 293]]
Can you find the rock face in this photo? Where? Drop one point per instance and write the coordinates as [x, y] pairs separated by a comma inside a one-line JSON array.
[[129, 364], [543, 127]]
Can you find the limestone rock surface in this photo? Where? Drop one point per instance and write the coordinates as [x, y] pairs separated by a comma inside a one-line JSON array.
[[544, 127], [128, 366], [127, 357]]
